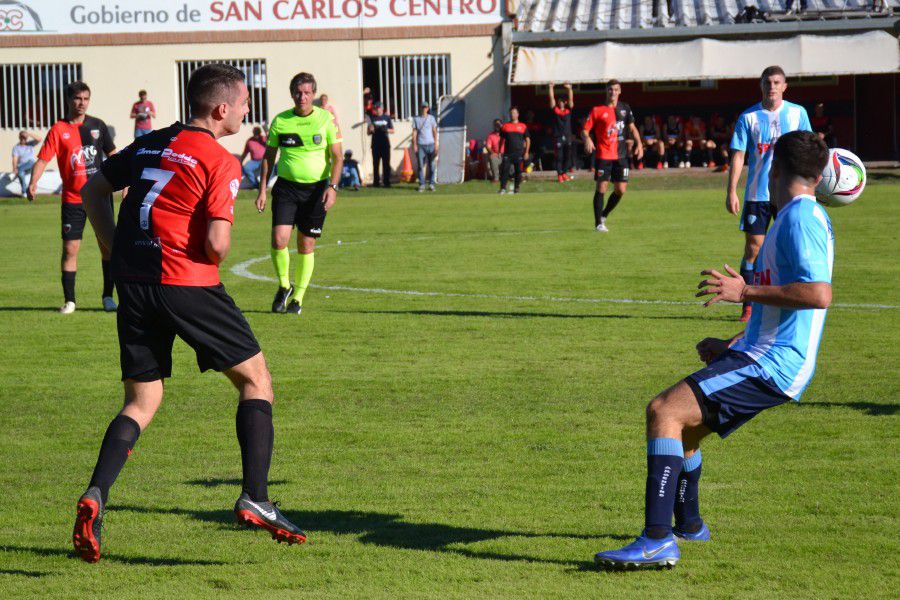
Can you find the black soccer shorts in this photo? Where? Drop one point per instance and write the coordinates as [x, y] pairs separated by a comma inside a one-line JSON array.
[[74, 219], [151, 315], [611, 170], [300, 204], [755, 217]]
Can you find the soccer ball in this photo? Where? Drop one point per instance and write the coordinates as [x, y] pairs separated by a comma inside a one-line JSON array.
[[843, 179]]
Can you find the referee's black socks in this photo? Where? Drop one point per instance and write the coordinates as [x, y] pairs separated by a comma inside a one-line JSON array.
[[120, 438], [256, 435]]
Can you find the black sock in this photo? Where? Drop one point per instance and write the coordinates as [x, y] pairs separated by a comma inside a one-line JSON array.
[[120, 438], [107, 279], [613, 202], [598, 207], [256, 435], [68, 284], [747, 273]]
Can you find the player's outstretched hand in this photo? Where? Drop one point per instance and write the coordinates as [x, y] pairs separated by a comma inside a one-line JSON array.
[[261, 202], [721, 287], [732, 203], [710, 349]]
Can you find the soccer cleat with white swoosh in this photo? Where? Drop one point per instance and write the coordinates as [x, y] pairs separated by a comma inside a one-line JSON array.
[[267, 516], [642, 552]]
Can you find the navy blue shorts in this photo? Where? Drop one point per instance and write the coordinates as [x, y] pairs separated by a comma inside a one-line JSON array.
[[732, 390], [756, 216]]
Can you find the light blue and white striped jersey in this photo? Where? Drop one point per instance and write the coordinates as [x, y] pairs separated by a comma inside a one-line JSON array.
[[784, 341], [755, 133]]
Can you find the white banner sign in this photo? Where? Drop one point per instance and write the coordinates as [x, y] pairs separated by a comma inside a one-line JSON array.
[[131, 16]]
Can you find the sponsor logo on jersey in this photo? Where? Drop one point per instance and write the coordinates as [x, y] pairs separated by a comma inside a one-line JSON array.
[[763, 277], [762, 148], [66, 135], [180, 158], [234, 186], [151, 243], [148, 151], [82, 156]]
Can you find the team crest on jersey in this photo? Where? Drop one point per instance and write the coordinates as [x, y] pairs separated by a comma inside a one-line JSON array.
[[95, 133], [66, 135], [234, 186], [317, 139]]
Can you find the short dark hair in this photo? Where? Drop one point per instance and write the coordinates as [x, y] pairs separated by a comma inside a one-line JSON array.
[[210, 85], [773, 70], [75, 88], [613, 82], [800, 154], [142, 93], [514, 108], [301, 78]]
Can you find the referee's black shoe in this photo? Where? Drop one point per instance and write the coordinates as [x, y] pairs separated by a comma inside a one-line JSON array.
[[281, 297], [294, 308], [88, 521], [267, 516]]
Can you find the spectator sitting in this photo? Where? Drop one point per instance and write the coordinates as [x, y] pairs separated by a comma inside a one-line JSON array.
[[720, 135], [350, 172], [255, 148], [695, 141], [23, 158], [821, 124], [143, 112], [674, 134], [493, 148], [649, 131]]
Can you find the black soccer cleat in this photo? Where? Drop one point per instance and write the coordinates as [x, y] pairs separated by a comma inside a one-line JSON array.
[[88, 520], [281, 297], [267, 516], [294, 308]]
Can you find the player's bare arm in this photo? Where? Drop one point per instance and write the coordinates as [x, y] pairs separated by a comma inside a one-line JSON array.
[[264, 169], [337, 165], [732, 202], [218, 240], [37, 171], [95, 197], [588, 142], [732, 288], [527, 146], [552, 96], [638, 142], [568, 87]]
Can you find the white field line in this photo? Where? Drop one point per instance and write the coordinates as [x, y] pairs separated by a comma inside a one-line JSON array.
[[242, 269]]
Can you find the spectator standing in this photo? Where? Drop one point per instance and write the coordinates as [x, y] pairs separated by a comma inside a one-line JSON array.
[[493, 148], [143, 112], [425, 145], [350, 172], [23, 158], [324, 103], [822, 126], [562, 131], [255, 148], [380, 127], [368, 101]]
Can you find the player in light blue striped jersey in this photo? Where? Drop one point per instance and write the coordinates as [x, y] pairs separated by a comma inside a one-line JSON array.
[[770, 363], [755, 134]]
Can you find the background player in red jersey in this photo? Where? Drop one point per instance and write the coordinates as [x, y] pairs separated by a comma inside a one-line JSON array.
[[79, 142], [619, 169], [516, 144], [562, 130], [174, 230], [602, 122]]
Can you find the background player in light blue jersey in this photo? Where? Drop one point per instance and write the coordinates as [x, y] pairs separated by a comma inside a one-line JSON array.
[[755, 134], [770, 363]]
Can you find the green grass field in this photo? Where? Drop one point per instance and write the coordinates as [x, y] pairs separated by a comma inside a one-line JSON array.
[[483, 438]]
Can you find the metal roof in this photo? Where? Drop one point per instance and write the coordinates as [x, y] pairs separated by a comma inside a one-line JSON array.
[[538, 16]]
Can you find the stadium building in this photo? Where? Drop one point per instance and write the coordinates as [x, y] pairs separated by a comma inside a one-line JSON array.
[[679, 56]]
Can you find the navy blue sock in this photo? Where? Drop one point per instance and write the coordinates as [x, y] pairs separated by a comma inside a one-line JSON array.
[[687, 502], [747, 273], [665, 457]]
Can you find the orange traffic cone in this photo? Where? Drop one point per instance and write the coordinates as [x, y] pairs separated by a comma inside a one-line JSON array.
[[406, 172]]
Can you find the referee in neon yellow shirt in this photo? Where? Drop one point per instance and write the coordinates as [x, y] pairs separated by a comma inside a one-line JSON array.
[[309, 170]]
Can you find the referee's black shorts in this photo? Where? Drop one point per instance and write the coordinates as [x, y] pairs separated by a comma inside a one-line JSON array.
[[300, 204], [150, 315]]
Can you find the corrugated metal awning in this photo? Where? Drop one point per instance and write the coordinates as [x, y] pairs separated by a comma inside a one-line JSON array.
[[802, 55]]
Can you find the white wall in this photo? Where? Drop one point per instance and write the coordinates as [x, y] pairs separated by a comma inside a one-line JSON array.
[[116, 73]]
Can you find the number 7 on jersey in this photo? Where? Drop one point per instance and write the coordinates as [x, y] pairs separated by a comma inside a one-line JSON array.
[[159, 177]]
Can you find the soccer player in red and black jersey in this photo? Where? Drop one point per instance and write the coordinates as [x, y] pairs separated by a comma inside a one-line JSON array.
[[174, 230], [79, 142], [618, 170], [562, 131], [602, 123], [516, 144]]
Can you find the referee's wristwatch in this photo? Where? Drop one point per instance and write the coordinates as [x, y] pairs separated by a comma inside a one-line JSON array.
[[333, 186]]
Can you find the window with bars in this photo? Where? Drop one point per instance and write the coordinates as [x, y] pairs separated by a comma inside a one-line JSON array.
[[34, 95], [403, 83], [255, 71]]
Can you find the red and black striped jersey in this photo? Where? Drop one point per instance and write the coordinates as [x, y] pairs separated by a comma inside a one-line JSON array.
[[79, 149], [179, 178], [602, 121]]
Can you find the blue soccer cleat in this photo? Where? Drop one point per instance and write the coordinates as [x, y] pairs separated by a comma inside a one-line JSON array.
[[642, 552], [701, 535]]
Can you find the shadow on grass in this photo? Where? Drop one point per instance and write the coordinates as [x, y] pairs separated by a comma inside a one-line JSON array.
[[119, 558], [530, 315], [23, 573], [391, 531], [219, 481], [870, 408]]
